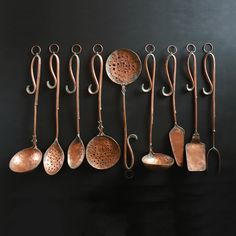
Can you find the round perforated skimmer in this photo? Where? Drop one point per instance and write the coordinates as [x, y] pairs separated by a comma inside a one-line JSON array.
[[102, 152], [123, 66]]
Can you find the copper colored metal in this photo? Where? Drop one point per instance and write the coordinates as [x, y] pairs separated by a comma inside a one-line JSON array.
[[195, 150], [54, 156], [208, 48], [123, 67], [176, 134], [102, 152], [29, 158], [153, 160], [76, 150]]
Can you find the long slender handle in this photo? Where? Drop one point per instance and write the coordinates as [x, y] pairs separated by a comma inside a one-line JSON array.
[[36, 84], [193, 77], [126, 137], [97, 49], [56, 77], [151, 77], [75, 79]]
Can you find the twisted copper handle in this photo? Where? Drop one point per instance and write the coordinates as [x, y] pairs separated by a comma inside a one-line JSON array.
[[75, 79], [172, 50], [56, 77], [150, 48], [36, 60], [211, 91], [193, 77], [98, 49]]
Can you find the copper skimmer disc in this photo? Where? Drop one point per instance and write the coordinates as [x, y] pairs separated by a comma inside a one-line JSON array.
[[103, 152], [123, 66]]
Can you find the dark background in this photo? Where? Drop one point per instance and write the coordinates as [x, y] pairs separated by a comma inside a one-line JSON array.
[[89, 202]]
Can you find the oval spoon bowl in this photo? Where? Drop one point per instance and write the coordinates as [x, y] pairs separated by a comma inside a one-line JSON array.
[[26, 160]]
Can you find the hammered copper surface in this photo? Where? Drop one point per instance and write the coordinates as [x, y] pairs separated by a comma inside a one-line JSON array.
[[157, 160], [176, 136], [53, 159], [196, 156], [76, 153], [102, 152], [123, 66], [26, 160]]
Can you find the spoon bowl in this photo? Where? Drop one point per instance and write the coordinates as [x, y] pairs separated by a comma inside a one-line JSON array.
[[26, 160], [53, 158], [157, 160], [75, 153]]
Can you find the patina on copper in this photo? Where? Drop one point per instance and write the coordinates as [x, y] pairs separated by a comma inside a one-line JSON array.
[[208, 48], [54, 156], [28, 159], [153, 160], [195, 150], [123, 67], [176, 134], [102, 152], [76, 150]]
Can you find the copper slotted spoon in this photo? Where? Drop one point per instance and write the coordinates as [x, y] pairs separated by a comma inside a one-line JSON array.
[[195, 150], [102, 152], [54, 156], [76, 150], [153, 160], [176, 134], [123, 67], [29, 158], [212, 92]]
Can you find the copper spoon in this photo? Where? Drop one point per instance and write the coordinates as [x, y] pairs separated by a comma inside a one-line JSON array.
[[76, 150], [195, 150], [212, 91], [153, 160], [176, 134], [102, 151], [29, 158], [54, 156]]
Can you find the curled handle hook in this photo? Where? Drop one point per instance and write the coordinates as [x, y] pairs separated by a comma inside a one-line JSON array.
[[209, 81], [149, 48], [72, 75], [91, 91], [130, 166], [191, 54], [149, 76], [28, 87], [167, 94], [53, 55]]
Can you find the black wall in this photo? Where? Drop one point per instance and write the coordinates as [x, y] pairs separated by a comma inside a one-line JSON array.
[[90, 202]]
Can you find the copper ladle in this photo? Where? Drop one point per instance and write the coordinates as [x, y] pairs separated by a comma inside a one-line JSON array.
[[123, 67], [54, 156], [29, 158], [76, 150], [195, 150], [212, 92], [153, 160], [176, 134], [102, 152]]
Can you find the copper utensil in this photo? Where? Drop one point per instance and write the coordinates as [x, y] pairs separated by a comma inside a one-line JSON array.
[[195, 150], [102, 152], [123, 67], [76, 150], [29, 158], [208, 48], [176, 134], [153, 160], [54, 156]]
